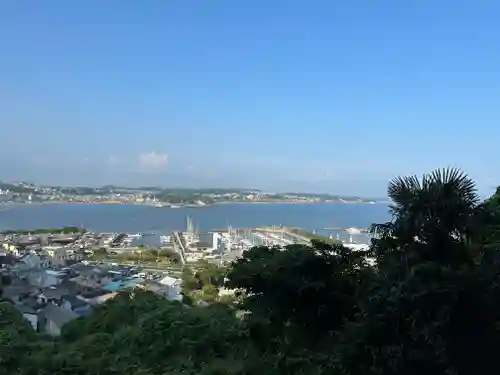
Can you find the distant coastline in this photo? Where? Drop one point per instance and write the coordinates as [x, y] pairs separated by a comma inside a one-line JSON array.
[[167, 205], [27, 193]]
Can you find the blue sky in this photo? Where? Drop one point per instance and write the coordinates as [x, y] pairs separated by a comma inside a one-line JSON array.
[[326, 95]]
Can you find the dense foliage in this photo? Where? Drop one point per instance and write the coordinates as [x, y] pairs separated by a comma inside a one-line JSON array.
[[204, 283], [143, 255], [5, 280], [430, 305]]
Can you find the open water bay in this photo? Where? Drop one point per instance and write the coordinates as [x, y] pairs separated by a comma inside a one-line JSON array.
[[136, 218]]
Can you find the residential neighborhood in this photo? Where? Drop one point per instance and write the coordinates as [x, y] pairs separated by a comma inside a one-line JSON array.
[[50, 293]]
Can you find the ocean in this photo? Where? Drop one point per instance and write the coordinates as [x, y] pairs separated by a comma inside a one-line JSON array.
[[162, 220]]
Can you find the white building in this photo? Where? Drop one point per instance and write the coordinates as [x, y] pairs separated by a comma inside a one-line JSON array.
[[217, 241], [29, 314], [174, 288]]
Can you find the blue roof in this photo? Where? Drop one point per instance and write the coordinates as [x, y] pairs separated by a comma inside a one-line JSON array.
[[113, 286], [116, 286]]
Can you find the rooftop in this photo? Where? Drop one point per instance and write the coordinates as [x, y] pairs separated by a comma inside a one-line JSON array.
[[59, 316], [24, 309], [115, 286], [7, 259], [75, 301], [169, 281], [55, 293], [18, 288], [93, 293]]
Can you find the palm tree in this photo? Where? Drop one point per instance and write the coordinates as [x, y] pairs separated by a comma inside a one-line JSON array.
[[433, 219]]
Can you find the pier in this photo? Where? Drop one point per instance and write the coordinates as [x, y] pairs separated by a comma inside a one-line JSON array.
[[192, 246]]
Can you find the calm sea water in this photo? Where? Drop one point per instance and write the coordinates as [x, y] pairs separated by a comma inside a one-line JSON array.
[[134, 218]]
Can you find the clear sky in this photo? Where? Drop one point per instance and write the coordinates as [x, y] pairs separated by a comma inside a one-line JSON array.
[[321, 95]]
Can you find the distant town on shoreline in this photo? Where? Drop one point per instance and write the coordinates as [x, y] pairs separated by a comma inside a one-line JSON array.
[[23, 192]]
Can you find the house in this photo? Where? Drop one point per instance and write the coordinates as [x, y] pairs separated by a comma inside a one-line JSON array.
[[42, 279], [57, 255], [163, 291], [29, 262], [65, 296], [122, 284], [18, 290], [56, 317], [7, 259], [12, 248], [53, 294], [32, 301], [173, 288], [91, 278], [32, 267], [29, 314], [76, 305]]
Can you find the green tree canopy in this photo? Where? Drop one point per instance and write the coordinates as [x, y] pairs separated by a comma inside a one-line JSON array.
[[134, 334], [435, 305], [312, 289]]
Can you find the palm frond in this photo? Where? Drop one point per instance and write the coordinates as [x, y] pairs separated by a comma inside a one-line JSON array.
[[439, 210], [455, 183], [402, 189]]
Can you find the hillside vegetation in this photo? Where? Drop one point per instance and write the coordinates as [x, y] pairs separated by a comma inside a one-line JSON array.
[[430, 306]]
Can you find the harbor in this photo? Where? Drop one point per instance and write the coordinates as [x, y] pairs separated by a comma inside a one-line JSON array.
[[190, 244], [73, 270]]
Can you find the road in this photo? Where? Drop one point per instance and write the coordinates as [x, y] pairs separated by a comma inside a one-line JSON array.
[[148, 268], [179, 246]]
